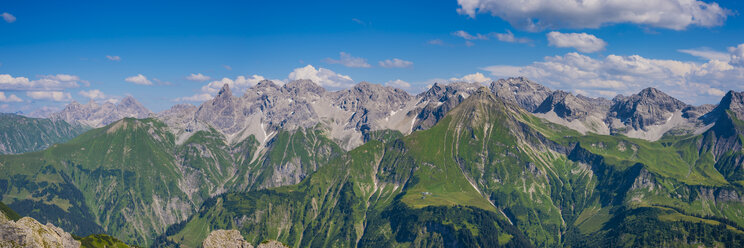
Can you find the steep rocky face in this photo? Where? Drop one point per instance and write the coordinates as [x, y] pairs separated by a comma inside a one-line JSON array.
[[93, 114], [648, 107], [28, 232], [580, 113], [731, 102], [369, 102], [566, 105], [521, 91], [440, 99]]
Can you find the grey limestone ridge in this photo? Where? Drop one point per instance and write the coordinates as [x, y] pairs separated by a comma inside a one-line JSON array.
[[648, 107], [233, 239], [94, 114], [27, 232], [521, 91], [261, 111]]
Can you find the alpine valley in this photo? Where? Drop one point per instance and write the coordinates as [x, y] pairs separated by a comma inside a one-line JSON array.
[[512, 163]]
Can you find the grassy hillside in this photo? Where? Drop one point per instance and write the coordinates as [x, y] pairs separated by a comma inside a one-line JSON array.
[[20, 134], [131, 180]]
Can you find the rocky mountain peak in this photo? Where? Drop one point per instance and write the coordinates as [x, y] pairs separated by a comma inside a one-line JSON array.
[[521, 91], [733, 101], [302, 86], [224, 92], [649, 107], [564, 104]]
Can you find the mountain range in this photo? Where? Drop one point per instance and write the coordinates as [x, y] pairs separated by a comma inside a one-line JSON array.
[[512, 164]]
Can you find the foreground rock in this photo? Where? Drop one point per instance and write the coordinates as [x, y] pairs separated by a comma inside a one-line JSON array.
[[28, 232], [233, 239]]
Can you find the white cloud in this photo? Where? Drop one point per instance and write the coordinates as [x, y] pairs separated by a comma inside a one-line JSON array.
[[349, 61], [57, 96], [582, 42], [8, 17], [321, 76], [715, 92], [198, 77], [92, 94], [398, 84], [437, 42], [538, 15], [139, 79], [62, 77], [10, 98], [509, 37], [472, 78], [113, 58], [737, 55], [689, 81], [707, 53], [202, 97], [49, 82], [395, 63], [227, 67], [239, 84], [467, 36]]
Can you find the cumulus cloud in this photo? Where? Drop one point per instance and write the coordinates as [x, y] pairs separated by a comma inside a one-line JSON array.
[[139, 79], [198, 77], [472, 78], [57, 96], [9, 98], [538, 15], [92, 94], [349, 61], [468, 36], [582, 42], [395, 63], [239, 84], [321, 76], [707, 53], [737, 55], [48, 82], [113, 57], [689, 81], [398, 84], [8, 17], [509, 37]]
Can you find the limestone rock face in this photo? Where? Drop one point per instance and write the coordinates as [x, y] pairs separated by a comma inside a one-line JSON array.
[[28, 232], [648, 107], [439, 100], [233, 239], [225, 239], [521, 91], [272, 244]]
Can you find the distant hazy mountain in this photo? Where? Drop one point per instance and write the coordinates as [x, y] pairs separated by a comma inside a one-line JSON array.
[[94, 114], [19, 134]]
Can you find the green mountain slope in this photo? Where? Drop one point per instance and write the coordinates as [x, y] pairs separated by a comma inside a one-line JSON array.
[[20, 134], [130, 179], [490, 174]]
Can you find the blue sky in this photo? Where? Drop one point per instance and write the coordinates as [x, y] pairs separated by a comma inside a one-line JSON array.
[[52, 52]]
